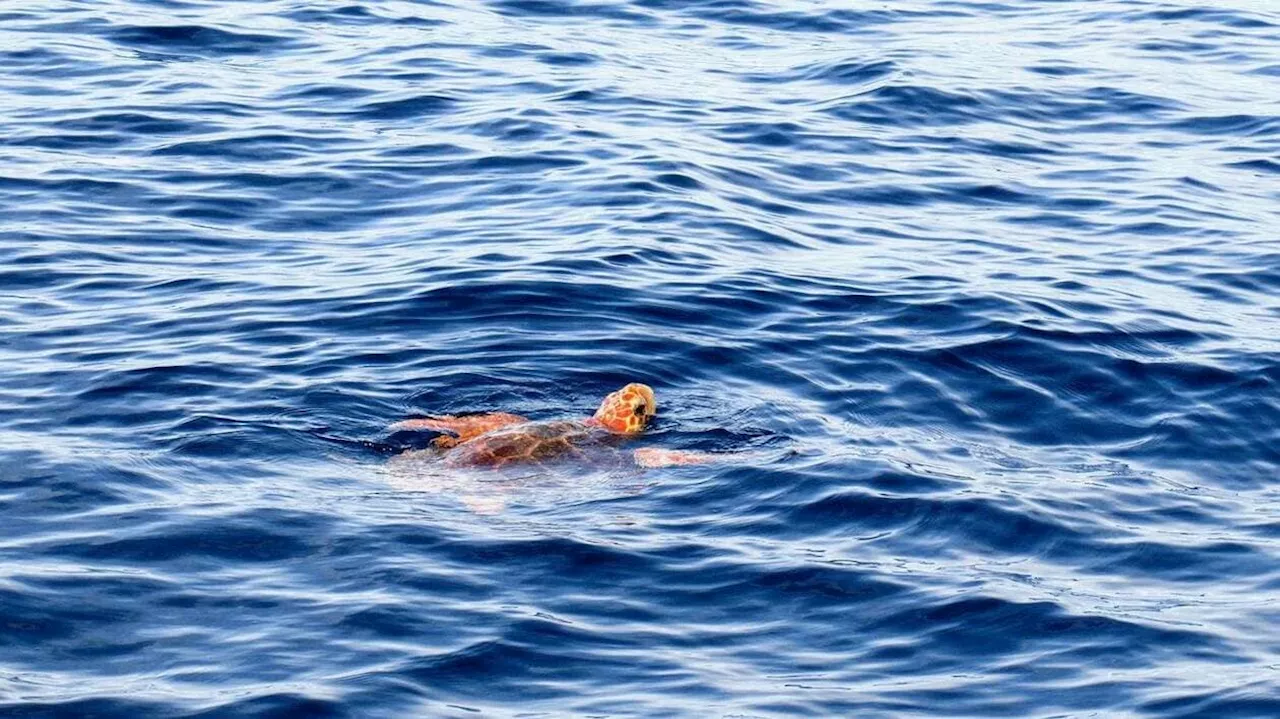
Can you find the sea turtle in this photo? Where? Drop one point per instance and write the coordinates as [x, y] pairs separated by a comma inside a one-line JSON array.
[[496, 439]]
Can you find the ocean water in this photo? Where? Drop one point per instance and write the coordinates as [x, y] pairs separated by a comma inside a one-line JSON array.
[[979, 298]]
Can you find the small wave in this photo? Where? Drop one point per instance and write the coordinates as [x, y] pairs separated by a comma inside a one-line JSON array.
[[974, 301], [407, 108], [199, 40]]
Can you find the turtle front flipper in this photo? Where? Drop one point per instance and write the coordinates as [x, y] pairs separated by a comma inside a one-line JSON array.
[[655, 457], [459, 429]]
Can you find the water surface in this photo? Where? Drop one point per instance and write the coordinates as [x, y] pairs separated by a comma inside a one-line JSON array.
[[988, 289]]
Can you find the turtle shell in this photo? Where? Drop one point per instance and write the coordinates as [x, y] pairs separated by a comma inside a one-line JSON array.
[[530, 442]]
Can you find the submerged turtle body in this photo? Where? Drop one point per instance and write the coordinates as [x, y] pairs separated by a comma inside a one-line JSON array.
[[499, 438]]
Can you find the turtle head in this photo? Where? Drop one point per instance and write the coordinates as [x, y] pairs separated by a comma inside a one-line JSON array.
[[628, 410]]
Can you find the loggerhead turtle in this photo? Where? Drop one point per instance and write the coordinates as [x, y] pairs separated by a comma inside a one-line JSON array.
[[499, 438]]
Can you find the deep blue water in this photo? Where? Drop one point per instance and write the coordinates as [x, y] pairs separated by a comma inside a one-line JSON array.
[[986, 292]]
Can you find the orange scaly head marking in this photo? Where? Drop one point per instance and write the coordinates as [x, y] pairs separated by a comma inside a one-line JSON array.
[[628, 410]]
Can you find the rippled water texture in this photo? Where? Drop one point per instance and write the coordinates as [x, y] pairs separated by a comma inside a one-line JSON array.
[[985, 292]]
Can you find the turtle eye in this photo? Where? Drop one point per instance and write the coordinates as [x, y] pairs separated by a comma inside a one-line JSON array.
[[639, 412]]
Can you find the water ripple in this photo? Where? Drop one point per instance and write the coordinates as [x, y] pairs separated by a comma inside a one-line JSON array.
[[983, 292]]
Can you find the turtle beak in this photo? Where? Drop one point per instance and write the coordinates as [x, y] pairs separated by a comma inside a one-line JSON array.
[[640, 407], [650, 401]]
